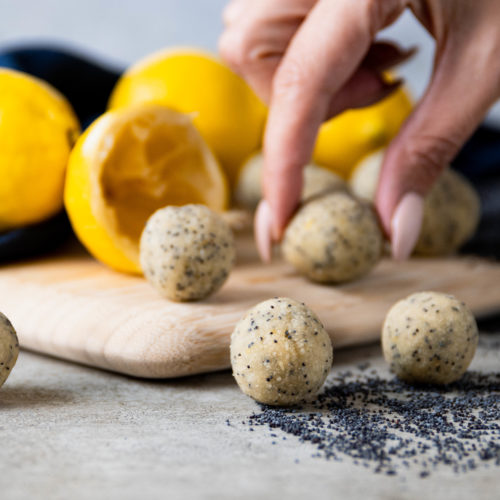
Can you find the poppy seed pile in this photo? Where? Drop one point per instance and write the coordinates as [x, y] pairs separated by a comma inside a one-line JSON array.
[[388, 426]]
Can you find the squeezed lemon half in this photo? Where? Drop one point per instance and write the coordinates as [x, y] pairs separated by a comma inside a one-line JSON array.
[[129, 163], [225, 110]]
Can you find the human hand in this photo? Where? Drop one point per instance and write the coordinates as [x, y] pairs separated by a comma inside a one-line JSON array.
[[312, 59]]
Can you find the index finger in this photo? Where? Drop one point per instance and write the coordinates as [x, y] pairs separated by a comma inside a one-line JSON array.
[[323, 55]]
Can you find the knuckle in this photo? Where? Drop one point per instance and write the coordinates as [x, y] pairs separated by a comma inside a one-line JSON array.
[[373, 10], [228, 13], [427, 155], [379, 13], [290, 78], [235, 47]]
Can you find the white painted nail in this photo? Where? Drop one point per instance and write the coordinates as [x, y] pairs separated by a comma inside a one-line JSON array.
[[263, 231], [405, 225]]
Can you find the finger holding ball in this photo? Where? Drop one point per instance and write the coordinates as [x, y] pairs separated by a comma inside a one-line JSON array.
[[333, 238]]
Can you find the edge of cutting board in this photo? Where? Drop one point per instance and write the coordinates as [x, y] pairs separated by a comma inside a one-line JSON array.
[[72, 307]]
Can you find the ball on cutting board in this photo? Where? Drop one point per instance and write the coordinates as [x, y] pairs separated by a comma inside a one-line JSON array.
[[280, 352], [429, 337], [333, 238], [248, 191], [186, 252], [451, 209], [9, 348]]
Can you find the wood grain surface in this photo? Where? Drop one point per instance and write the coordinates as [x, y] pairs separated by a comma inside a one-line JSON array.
[[72, 307]]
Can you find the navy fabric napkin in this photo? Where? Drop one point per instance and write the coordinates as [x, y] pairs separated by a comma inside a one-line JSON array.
[[87, 85]]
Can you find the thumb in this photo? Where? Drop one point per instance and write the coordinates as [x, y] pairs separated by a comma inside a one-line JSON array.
[[462, 89]]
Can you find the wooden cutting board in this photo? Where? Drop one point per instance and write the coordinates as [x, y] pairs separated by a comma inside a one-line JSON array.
[[72, 307]]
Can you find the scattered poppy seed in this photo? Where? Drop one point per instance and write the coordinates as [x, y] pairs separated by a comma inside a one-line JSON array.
[[391, 427]]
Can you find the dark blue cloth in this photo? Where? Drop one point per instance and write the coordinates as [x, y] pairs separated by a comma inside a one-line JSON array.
[[87, 86], [479, 161]]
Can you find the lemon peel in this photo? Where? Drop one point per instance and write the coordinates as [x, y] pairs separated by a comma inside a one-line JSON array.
[[128, 164], [228, 114], [38, 128]]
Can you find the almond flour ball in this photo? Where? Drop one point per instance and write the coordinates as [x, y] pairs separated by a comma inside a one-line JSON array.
[[364, 178], [333, 238], [280, 352], [429, 337], [451, 209], [186, 252], [9, 348], [248, 191], [451, 215]]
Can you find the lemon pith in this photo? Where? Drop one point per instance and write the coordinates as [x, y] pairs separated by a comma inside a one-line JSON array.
[[225, 110], [37, 131], [128, 164]]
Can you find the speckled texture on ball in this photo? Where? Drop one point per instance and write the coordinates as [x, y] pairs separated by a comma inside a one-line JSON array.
[[186, 252], [333, 238], [429, 337], [248, 191], [9, 348], [451, 215], [280, 352], [451, 209]]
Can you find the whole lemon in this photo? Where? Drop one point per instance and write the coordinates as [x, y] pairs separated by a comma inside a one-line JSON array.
[[345, 139], [37, 131], [228, 114]]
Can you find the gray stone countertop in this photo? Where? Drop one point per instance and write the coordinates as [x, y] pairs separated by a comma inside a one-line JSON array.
[[72, 432]]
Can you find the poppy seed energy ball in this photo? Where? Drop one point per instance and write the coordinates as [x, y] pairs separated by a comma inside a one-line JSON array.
[[333, 238], [451, 215], [429, 337], [248, 190], [280, 352], [186, 252], [452, 207], [9, 348]]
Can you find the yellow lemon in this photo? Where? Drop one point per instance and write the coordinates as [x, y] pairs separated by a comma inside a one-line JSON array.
[[129, 163], [37, 130], [225, 110], [345, 139]]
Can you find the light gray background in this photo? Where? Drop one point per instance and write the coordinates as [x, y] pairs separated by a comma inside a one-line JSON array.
[[122, 31]]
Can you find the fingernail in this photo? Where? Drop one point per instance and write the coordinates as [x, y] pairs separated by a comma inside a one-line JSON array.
[[405, 225], [263, 231]]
